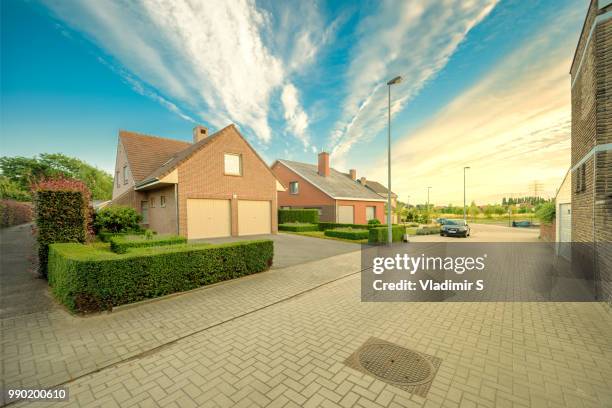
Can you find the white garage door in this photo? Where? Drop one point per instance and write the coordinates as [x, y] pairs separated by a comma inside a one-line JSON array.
[[565, 230], [208, 218], [254, 217], [346, 214]]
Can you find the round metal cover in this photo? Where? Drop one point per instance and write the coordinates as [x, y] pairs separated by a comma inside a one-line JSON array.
[[396, 364]]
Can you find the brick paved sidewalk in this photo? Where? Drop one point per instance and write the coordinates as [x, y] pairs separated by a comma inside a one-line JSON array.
[[291, 354]]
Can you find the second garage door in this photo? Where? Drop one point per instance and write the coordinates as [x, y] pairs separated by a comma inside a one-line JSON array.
[[208, 218], [346, 214], [254, 217]]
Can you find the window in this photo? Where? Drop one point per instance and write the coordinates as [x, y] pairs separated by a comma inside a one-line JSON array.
[[125, 176], [144, 211], [162, 201], [233, 164], [370, 213], [294, 187], [117, 179], [580, 179], [152, 199]]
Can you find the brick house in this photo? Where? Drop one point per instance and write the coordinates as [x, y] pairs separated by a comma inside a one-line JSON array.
[[591, 151], [338, 196], [216, 186], [382, 191]]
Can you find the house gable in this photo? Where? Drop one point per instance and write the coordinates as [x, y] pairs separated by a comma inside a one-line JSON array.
[[120, 187]]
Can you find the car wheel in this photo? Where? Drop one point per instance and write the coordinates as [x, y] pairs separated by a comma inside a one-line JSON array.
[[441, 234]]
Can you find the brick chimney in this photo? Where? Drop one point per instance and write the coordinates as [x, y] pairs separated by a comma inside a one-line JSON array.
[[199, 133], [324, 164], [363, 181], [353, 174]]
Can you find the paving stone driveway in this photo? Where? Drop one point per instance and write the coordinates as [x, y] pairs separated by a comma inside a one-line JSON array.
[[280, 338]]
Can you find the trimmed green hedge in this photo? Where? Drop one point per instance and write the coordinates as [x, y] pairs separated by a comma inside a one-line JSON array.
[[379, 234], [89, 279], [303, 215], [105, 236], [298, 227], [323, 226], [120, 244], [348, 233]]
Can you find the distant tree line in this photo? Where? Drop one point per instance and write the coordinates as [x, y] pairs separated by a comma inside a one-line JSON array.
[[18, 174]]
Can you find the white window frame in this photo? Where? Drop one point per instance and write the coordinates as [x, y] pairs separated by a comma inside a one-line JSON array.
[[232, 172]]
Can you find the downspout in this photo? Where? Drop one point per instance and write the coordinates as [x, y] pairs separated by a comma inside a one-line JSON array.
[[176, 208]]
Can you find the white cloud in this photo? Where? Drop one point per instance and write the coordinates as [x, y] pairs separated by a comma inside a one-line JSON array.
[[297, 119], [210, 57], [512, 128], [412, 39]]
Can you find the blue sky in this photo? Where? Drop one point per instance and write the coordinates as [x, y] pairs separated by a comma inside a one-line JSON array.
[[485, 85]]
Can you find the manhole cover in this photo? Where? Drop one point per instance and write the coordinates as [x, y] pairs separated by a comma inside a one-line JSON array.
[[396, 365]]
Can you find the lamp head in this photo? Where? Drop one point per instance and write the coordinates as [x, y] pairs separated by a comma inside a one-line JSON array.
[[395, 80]]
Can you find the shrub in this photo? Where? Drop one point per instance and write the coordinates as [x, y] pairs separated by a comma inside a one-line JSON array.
[[374, 221], [88, 279], [14, 213], [379, 234], [121, 244], [546, 212], [298, 227], [428, 230], [347, 233], [332, 225], [117, 218], [62, 215], [303, 215], [106, 236]]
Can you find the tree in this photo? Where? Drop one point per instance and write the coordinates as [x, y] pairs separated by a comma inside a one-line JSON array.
[[20, 173]]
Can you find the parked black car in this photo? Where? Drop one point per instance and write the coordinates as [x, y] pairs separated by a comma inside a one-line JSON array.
[[459, 228]]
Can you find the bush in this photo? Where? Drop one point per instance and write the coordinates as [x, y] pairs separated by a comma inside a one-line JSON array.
[[106, 236], [303, 215], [323, 226], [428, 230], [62, 215], [88, 279], [379, 234], [298, 227], [374, 221], [117, 218], [347, 233], [121, 244], [546, 212], [14, 213]]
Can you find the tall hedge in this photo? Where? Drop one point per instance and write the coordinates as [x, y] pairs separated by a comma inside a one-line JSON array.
[[89, 279], [303, 215], [380, 234], [14, 213], [62, 213]]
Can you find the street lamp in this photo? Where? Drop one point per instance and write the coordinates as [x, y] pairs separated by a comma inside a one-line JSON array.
[[394, 81], [464, 208], [428, 188]]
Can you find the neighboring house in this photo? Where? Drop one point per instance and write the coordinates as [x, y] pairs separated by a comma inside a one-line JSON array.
[[563, 217], [591, 151], [382, 191], [216, 186], [337, 196]]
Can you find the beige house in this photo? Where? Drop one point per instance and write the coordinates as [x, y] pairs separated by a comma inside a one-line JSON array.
[[216, 186], [563, 217]]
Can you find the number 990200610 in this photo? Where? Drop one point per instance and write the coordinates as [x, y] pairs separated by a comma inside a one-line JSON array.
[[35, 394]]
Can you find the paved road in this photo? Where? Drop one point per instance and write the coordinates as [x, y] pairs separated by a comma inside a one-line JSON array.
[[486, 233], [21, 291], [290, 249]]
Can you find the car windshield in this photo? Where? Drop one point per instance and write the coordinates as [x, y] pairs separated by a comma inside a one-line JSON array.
[[455, 222]]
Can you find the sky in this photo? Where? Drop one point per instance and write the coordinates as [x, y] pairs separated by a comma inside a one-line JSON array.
[[485, 84]]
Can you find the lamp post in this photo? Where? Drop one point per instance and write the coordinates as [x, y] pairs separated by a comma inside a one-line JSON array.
[[428, 188], [464, 208], [394, 81]]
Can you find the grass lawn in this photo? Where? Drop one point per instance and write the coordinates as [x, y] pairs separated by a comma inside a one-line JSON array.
[[321, 234]]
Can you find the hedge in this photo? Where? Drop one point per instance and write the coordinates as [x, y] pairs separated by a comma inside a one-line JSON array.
[[14, 213], [105, 236], [62, 215], [323, 226], [379, 234], [303, 215], [89, 279], [347, 233], [427, 230], [298, 227], [121, 244]]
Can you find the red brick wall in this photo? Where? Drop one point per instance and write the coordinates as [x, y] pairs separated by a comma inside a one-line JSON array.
[[359, 211], [202, 176], [547, 232], [308, 195]]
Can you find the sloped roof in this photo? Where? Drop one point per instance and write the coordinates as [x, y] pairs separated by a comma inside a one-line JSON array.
[[337, 185], [146, 153], [378, 188]]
